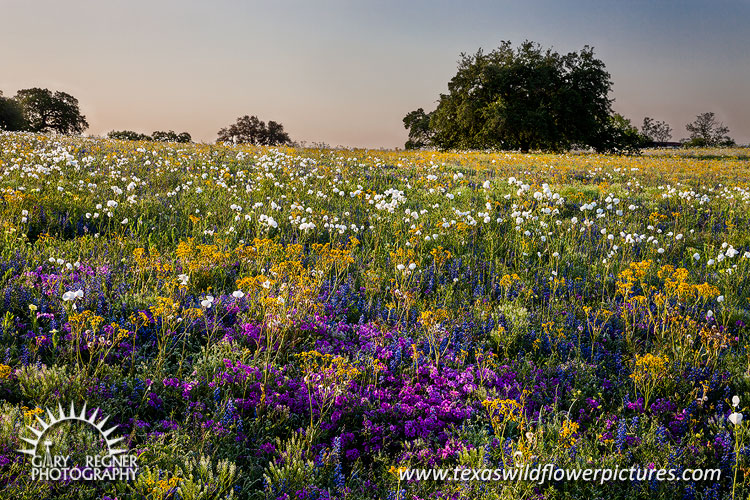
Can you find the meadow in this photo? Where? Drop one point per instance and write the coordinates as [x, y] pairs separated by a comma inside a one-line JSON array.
[[278, 323]]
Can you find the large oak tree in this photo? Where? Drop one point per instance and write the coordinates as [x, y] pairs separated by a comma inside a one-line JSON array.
[[46, 111], [524, 98]]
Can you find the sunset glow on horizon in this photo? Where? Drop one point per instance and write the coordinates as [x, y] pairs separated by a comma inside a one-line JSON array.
[[346, 73]]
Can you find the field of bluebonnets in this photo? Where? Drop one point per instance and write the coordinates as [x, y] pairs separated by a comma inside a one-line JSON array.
[[301, 324]]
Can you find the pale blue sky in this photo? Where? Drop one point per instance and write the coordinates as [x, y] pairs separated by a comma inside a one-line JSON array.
[[346, 72]]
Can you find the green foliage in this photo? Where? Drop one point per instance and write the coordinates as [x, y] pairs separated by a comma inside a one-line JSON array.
[[171, 136], [418, 124], [622, 136], [525, 98], [521, 276], [707, 131], [39, 384], [201, 480], [159, 136], [295, 472], [656, 131], [45, 111], [11, 419], [128, 135], [251, 130], [11, 114]]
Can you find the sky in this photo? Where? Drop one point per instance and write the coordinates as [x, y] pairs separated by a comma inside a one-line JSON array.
[[346, 72]]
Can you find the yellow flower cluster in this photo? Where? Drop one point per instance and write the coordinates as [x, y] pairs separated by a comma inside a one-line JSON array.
[[4, 372], [254, 283], [634, 273], [198, 257], [503, 410], [649, 367], [440, 255], [567, 433], [508, 279], [86, 318], [151, 261], [675, 284], [432, 318], [336, 366], [29, 413], [162, 487], [165, 308]]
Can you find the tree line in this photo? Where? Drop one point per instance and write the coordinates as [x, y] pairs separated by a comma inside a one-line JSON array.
[[524, 98], [158, 136], [530, 98], [705, 131], [246, 130], [42, 110]]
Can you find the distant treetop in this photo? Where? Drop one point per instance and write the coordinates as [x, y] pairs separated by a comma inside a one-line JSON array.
[[159, 136], [656, 131], [251, 130], [706, 130], [45, 111]]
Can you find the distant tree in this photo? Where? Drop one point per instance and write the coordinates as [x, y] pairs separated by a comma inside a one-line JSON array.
[[707, 131], [170, 136], [11, 114], [620, 135], [184, 137], [251, 130], [525, 98], [128, 135], [247, 129], [159, 136], [420, 133], [46, 111], [275, 135], [656, 131]]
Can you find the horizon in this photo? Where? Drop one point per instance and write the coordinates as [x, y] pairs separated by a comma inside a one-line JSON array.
[[347, 74]]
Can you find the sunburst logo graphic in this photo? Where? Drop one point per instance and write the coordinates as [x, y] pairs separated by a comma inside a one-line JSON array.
[[71, 417], [116, 464]]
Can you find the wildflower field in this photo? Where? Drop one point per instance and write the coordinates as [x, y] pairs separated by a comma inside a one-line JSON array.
[[304, 324]]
